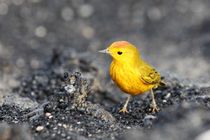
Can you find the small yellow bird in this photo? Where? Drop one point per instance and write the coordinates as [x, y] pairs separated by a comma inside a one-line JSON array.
[[130, 73]]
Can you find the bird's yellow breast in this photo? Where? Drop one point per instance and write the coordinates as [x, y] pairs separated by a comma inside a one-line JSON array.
[[128, 79]]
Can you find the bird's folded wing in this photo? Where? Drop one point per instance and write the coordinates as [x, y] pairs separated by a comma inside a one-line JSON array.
[[149, 75]]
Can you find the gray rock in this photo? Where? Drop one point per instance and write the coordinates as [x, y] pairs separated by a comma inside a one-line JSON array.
[[8, 98]]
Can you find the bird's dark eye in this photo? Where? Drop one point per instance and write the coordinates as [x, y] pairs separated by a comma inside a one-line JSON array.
[[119, 53]]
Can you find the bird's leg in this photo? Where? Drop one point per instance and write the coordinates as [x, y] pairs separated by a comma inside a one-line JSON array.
[[124, 109], [154, 105]]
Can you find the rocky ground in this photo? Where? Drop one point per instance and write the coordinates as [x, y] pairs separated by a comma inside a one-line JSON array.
[[54, 85]]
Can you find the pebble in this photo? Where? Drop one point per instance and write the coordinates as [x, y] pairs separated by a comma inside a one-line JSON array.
[[70, 88], [164, 101], [148, 120], [64, 125], [168, 96], [59, 124], [89, 135], [39, 128], [150, 117], [49, 115]]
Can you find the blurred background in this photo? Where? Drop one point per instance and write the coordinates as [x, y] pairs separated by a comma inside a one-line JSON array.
[[173, 35]]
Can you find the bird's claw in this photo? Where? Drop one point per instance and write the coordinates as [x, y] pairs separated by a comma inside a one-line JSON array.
[[155, 109], [123, 110]]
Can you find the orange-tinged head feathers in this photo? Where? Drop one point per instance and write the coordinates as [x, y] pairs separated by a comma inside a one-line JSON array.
[[120, 43], [123, 52]]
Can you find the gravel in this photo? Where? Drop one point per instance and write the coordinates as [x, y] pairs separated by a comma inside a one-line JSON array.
[[53, 84], [72, 106]]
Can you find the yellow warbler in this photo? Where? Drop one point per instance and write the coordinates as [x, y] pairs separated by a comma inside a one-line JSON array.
[[130, 73]]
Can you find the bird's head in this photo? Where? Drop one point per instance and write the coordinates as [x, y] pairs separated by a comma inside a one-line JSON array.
[[122, 51]]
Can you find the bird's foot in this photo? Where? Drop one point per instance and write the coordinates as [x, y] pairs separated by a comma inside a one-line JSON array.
[[124, 110], [154, 105], [155, 109]]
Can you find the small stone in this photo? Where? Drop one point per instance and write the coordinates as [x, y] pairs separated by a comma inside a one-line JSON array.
[[168, 96], [164, 101], [48, 114], [128, 127], [148, 120], [64, 125], [89, 135], [70, 88], [39, 128], [15, 121], [150, 117], [81, 129]]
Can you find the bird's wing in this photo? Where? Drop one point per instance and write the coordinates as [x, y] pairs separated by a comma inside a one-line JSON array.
[[149, 75]]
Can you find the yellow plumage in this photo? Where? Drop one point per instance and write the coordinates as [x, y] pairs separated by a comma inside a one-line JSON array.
[[132, 80], [131, 74]]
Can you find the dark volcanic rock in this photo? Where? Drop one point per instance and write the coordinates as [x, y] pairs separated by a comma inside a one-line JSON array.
[[71, 107], [184, 122], [42, 40]]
